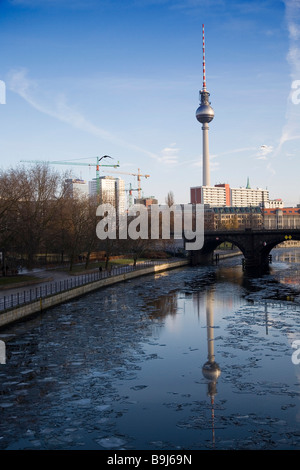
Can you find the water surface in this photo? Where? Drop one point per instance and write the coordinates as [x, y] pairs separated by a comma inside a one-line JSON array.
[[197, 358]]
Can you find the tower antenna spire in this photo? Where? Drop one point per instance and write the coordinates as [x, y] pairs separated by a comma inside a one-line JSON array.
[[203, 51]]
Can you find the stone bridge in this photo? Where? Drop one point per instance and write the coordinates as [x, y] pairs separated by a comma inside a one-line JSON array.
[[255, 245]]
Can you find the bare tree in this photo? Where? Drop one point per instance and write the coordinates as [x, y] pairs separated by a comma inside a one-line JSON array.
[[12, 191], [170, 200], [43, 190], [91, 240]]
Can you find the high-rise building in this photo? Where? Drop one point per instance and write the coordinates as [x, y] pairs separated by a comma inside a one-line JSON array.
[[222, 195], [111, 191], [212, 195], [245, 197], [76, 188]]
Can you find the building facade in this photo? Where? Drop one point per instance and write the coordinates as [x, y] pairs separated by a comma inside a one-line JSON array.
[[146, 201], [233, 218], [212, 195], [111, 191], [76, 188], [256, 218], [222, 195], [274, 204], [244, 197], [278, 218]]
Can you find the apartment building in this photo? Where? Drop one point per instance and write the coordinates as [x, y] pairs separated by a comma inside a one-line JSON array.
[[222, 195], [111, 191]]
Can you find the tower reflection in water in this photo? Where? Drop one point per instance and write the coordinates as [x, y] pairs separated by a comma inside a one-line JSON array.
[[211, 369], [167, 305]]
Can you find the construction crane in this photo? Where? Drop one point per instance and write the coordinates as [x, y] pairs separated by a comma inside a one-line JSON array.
[[139, 176], [69, 162], [129, 190]]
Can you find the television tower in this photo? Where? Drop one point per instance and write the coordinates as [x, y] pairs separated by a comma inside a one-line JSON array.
[[205, 114]]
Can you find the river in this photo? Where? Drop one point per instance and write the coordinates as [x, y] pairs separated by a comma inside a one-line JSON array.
[[191, 359]]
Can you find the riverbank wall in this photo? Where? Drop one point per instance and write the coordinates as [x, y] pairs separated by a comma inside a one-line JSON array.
[[220, 256], [42, 304]]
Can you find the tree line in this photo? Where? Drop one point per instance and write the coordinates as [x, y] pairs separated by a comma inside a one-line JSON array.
[[39, 217]]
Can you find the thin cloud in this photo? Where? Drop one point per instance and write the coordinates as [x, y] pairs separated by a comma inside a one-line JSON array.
[[57, 107], [169, 155], [294, 31], [264, 150], [291, 130], [198, 162], [261, 153]]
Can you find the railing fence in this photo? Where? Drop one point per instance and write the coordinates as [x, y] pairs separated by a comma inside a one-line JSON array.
[[32, 294]]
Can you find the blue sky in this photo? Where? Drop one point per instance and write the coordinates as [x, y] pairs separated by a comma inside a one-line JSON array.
[[122, 78]]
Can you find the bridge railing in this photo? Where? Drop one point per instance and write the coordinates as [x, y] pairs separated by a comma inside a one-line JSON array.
[[253, 229]]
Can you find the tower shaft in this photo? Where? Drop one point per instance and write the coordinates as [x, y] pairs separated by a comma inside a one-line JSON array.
[[206, 172]]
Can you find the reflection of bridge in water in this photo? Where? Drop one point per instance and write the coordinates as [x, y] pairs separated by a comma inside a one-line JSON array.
[[255, 245], [289, 256]]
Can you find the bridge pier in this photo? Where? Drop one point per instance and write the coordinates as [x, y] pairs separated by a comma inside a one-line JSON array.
[[256, 262]]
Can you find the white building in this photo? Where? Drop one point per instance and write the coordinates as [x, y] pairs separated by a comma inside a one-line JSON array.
[[111, 191], [76, 188], [274, 204], [245, 197], [222, 195], [212, 195]]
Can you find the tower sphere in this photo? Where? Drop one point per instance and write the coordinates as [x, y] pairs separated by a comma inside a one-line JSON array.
[[205, 113], [211, 370]]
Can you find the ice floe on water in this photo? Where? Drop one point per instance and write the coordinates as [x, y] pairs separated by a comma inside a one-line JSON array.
[[111, 442], [197, 358]]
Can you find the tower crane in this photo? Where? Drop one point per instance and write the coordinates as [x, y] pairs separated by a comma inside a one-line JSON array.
[[130, 190], [139, 176], [69, 162]]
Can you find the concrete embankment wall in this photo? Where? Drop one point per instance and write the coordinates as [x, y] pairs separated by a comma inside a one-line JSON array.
[[42, 304]]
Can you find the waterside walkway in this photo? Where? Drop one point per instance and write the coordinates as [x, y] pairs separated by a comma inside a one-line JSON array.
[[17, 303]]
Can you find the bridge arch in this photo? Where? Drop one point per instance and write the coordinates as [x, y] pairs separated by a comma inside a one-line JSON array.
[[205, 255], [212, 245], [266, 249], [255, 245]]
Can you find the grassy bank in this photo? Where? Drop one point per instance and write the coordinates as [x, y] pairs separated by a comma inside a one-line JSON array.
[[13, 280]]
